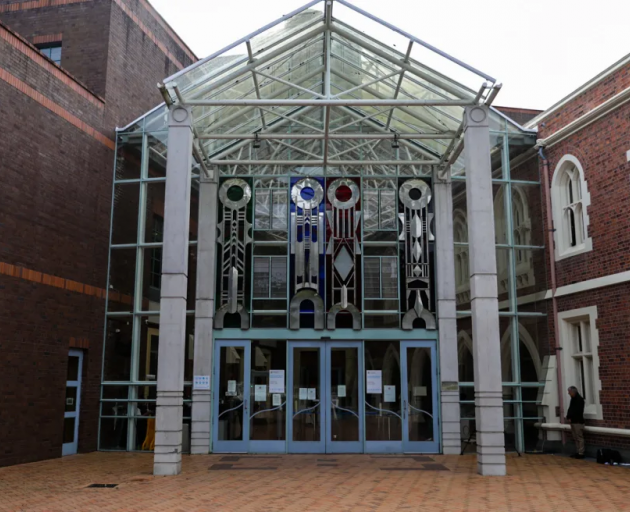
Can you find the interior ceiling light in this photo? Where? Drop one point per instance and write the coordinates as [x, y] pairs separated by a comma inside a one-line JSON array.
[[256, 144]]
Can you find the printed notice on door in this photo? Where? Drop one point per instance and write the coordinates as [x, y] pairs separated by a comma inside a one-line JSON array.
[[277, 400], [390, 393], [231, 388], [260, 393], [201, 382], [303, 393], [374, 382], [276, 381]]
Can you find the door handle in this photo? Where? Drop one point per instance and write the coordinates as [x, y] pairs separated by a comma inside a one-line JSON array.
[[404, 409], [245, 405]]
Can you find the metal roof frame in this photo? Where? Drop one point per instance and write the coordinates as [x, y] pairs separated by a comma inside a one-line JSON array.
[[317, 79]]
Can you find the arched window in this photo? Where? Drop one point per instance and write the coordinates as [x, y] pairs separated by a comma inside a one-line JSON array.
[[570, 200]]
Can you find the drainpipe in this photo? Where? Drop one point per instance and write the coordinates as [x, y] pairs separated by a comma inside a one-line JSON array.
[[552, 264]]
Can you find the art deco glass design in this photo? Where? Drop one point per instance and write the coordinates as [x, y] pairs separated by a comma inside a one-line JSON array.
[[234, 238], [415, 238], [343, 248], [307, 249]]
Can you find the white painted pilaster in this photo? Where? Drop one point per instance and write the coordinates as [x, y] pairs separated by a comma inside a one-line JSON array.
[[447, 321], [204, 311], [170, 383], [483, 285]]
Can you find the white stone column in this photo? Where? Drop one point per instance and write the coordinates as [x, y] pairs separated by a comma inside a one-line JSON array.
[[204, 311], [483, 286], [170, 383], [447, 320]]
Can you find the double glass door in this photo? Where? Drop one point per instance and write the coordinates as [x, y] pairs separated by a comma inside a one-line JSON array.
[[325, 406], [325, 397]]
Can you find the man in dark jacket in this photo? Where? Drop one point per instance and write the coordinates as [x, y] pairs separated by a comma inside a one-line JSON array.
[[575, 416]]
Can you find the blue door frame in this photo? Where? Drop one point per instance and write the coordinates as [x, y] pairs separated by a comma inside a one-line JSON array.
[[332, 410], [73, 405], [241, 445], [314, 408], [323, 405], [411, 411]]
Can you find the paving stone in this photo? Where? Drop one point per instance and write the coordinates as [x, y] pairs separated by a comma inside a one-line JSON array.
[[535, 483]]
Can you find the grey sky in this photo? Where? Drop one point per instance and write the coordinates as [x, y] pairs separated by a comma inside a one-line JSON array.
[[540, 50]]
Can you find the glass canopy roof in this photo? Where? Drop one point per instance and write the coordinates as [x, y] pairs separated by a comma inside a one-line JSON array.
[[311, 90]]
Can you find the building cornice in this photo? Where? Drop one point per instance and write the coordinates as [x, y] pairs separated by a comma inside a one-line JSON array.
[[580, 90], [590, 117]]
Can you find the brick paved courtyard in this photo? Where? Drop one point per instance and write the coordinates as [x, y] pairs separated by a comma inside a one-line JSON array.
[[313, 482]]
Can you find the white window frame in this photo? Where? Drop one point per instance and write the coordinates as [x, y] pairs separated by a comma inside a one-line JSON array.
[[563, 249], [568, 320]]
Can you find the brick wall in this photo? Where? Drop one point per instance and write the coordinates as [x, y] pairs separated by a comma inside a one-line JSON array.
[[85, 30], [613, 325], [604, 90], [56, 162], [601, 150]]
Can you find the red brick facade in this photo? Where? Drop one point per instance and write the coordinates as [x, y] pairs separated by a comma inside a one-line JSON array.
[[601, 150], [56, 158]]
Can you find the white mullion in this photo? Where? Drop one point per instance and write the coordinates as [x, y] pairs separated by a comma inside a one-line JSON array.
[[280, 92], [289, 84], [293, 120], [367, 84], [400, 81], [367, 116]]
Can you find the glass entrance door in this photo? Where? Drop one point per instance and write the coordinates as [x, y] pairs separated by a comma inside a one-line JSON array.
[[419, 396], [73, 399], [306, 385], [344, 398], [383, 397], [231, 397]]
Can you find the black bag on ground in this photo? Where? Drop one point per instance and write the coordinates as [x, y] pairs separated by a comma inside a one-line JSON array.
[[605, 455]]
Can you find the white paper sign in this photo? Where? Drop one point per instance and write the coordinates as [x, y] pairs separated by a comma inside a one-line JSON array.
[[341, 391], [276, 381], [390, 393], [260, 392], [374, 382], [312, 394], [303, 393], [201, 382], [277, 400], [231, 390], [419, 391]]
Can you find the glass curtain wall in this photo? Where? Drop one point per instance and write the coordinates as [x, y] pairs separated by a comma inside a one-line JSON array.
[[521, 282], [132, 320], [132, 331]]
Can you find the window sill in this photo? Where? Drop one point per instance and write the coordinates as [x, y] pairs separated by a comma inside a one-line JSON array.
[[593, 412], [586, 246]]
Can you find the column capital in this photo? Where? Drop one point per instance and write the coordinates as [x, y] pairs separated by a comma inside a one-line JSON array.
[[212, 176], [179, 116], [442, 174], [477, 116]]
